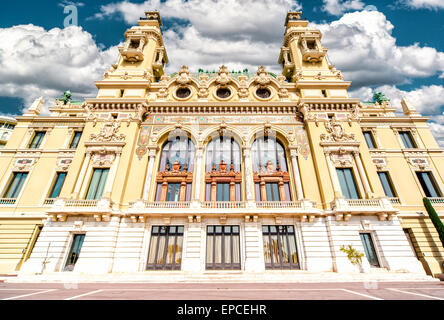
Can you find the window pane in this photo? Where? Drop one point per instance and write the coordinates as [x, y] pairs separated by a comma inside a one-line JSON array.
[[97, 184], [428, 184], [15, 186], [369, 139], [58, 185], [347, 182], [101, 185], [386, 184], [407, 139], [75, 140], [369, 249]]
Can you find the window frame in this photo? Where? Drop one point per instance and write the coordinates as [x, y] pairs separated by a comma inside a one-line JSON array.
[[369, 134], [73, 140], [9, 185], [40, 141], [357, 189], [411, 139], [164, 266], [54, 184], [223, 265], [91, 180], [433, 180], [390, 182], [373, 244]]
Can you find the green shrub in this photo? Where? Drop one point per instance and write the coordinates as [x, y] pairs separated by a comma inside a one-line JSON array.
[[435, 219]]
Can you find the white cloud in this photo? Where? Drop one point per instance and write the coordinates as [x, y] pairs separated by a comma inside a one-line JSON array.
[[361, 45], [437, 127], [338, 7], [35, 62], [426, 99], [424, 4]]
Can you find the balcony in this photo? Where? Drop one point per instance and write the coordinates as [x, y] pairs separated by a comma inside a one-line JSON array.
[[438, 201], [161, 205], [313, 55], [395, 201], [344, 208], [224, 204], [49, 202], [101, 209], [7, 202]]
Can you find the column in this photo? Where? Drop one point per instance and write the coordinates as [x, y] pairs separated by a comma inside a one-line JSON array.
[[149, 174], [297, 175], [362, 174], [248, 173], [333, 176], [81, 177], [111, 177], [198, 170]]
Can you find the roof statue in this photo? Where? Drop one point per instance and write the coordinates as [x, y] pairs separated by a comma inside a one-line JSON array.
[[379, 97], [66, 97]]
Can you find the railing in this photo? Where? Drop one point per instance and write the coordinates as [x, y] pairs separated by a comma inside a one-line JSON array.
[[81, 203], [395, 201], [49, 202], [167, 204], [363, 202], [437, 200], [278, 204], [223, 204], [6, 201]]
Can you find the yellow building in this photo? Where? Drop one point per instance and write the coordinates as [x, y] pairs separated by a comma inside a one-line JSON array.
[[220, 171]]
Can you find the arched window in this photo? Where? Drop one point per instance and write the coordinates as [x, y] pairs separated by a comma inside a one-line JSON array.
[[222, 166], [271, 177], [175, 175]]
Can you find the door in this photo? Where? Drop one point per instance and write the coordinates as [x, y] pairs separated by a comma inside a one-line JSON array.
[[369, 249], [165, 252], [223, 248], [74, 252], [280, 250]]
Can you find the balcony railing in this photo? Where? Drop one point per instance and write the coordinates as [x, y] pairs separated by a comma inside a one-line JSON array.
[[81, 203], [7, 201], [224, 204], [363, 202], [167, 204], [278, 204], [49, 202], [437, 200], [395, 201]]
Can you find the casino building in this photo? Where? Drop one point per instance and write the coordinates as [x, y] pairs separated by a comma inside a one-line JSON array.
[[220, 170]]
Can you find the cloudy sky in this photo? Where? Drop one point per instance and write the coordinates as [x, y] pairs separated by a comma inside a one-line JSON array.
[[396, 47]]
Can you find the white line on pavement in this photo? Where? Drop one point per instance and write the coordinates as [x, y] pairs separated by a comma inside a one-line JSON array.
[[29, 294], [362, 294], [211, 289], [85, 294], [417, 294]]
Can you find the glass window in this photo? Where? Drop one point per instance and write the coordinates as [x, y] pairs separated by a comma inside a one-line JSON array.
[[407, 139], [173, 192], [348, 183], [266, 152], [37, 140], [428, 184], [15, 185], [223, 247], [369, 139], [226, 149], [75, 140], [179, 150], [272, 192], [369, 249], [223, 192], [387, 184], [97, 184], [165, 251], [58, 183], [280, 250], [74, 252]]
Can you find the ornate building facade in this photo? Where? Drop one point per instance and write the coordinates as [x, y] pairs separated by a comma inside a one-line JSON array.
[[220, 171]]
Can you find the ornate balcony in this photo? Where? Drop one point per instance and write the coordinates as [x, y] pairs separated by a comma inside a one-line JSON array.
[[345, 208], [7, 202], [101, 209], [224, 204], [395, 201]]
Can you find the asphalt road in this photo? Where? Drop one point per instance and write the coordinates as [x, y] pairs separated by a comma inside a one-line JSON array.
[[224, 291]]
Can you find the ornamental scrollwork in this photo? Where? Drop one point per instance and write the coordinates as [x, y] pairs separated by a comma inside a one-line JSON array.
[[336, 132], [184, 76], [262, 77], [108, 133], [223, 77]]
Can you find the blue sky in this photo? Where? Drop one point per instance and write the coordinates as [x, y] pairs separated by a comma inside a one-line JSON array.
[[393, 46]]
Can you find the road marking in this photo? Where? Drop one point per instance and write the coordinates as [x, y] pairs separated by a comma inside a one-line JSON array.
[[85, 294], [362, 294], [29, 294], [417, 294], [212, 289]]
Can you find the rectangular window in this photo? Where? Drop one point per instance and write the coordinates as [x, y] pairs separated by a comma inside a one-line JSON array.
[[74, 252], [369, 249], [428, 184], [348, 183], [37, 140], [280, 247], [173, 192], [75, 140], [407, 139], [165, 251], [223, 192], [369, 139], [58, 184], [223, 248], [97, 184], [15, 185], [272, 192], [409, 239], [387, 184]]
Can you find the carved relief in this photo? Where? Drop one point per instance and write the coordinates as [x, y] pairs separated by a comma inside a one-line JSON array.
[[419, 163], [103, 158], [262, 77], [223, 77], [23, 164], [63, 164], [184, 76], [336, 132], [108, 133]]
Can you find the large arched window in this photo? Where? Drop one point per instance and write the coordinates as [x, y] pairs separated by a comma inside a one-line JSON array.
[[222, 166], [175, 175], [271, 177]]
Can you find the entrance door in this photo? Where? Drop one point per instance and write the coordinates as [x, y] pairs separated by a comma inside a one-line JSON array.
[[165, 252], [369, 249], [280, 247], [74, 252], [223, 248]]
